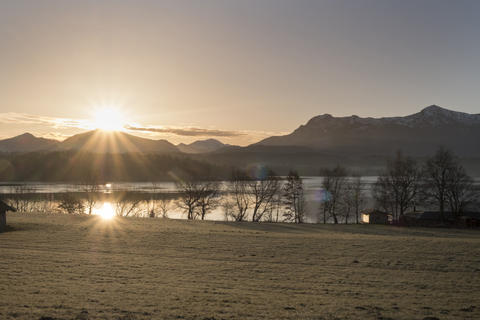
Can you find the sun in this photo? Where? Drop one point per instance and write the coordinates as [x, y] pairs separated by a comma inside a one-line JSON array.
[[109, 119]]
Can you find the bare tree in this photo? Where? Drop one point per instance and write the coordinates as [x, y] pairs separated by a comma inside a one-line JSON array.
[[153, 198], [302, 211], [240, 195], [354, 199], [127, 203], [357, 187], [90, 186], [334, 184], [263, 192], [435, 176], [294, 198], [405, 182], [462, 195], [45, 203], [227, 206], [164, 204], [273, 214], [324, 201], [381, 194], [71, 203], [204, 195], [21, 197], [190, 192], [210, 197], [399, 188], [348, 204]]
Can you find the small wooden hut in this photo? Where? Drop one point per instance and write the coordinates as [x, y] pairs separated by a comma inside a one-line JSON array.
[[427, 219], [3, 213], [470, 220], [374, 216]]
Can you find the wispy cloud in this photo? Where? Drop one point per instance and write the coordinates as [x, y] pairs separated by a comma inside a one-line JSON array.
[[187, 131], [243, 137], [58, 123], [12, 117], [247, 136]]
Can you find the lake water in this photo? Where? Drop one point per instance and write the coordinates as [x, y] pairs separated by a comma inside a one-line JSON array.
[[309, 183], [312, 187], [49, 194]]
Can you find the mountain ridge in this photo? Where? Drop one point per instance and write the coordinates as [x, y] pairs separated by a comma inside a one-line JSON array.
[[429, 116], [114, 142], [418, 134], [202, 146], [111, 141], [26, 142]]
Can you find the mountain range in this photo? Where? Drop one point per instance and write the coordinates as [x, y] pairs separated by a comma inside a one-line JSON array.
[[106, 141], [418, 134]]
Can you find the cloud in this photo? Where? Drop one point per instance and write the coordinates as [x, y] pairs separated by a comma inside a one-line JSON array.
[[63, 123], [188, 131], [248, 136], [58, 123], [12, 117], [243, 137]]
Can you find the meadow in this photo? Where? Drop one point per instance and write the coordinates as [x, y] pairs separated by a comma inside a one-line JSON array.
[[56, 266]]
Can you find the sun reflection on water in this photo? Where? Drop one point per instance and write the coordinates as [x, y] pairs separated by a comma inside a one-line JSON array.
[[106, 211]]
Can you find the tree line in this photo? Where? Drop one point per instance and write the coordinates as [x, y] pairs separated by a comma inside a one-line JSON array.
[[441, 183], [244, 198], [73, 166]]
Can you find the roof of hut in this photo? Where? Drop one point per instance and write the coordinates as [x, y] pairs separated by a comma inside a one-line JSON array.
[[471, 215], [430, 215], [371, 211], [5, 207]]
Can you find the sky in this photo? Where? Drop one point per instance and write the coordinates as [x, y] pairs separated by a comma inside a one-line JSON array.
[[237, 71]]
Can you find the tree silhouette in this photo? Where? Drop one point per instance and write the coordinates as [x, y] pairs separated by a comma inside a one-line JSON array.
[[294, 198]]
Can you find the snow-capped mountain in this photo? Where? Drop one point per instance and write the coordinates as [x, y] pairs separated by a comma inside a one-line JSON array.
[[430, 116], [417, 134]]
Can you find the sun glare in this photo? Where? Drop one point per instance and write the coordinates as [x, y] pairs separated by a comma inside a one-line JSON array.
[[109, 119], [106, 211]]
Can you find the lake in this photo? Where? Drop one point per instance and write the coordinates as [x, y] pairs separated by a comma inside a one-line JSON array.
[[148, 192]]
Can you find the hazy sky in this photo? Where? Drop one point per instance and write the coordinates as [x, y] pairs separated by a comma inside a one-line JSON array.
[[237, 71]]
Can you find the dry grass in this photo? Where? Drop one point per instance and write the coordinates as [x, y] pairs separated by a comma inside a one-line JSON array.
[[83, 267]]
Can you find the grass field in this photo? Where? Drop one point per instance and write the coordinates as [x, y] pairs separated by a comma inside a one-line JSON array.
[[84, 267]]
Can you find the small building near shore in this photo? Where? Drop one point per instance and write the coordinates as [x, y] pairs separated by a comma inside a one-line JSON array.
[[374, 216], [470, 220], [427, 218], [3, 213]]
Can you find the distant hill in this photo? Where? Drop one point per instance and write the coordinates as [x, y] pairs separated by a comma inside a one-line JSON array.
[[114, 142], [202, 146], [261, 149], [419, 134], [26, 143], [76, 166], [107, 141]]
